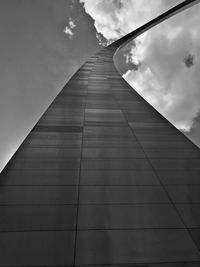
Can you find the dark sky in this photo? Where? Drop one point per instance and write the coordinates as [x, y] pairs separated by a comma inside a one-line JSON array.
[[36, 60]]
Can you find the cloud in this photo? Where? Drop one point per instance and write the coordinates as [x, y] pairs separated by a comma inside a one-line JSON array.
[[194, 132], [163, 64], [168, 75], [72, 24], [68, 29], [115, 18], [68, 32]]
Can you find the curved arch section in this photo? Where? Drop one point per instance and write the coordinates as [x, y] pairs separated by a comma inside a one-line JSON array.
[[170, 13], [101, 180]]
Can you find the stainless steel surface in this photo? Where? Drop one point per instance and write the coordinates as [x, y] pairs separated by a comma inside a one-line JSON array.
[[102, 180]]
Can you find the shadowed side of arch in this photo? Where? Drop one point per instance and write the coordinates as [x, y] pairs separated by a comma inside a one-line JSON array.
[[102, 180]]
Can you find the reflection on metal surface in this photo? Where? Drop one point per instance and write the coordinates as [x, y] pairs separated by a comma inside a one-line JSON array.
[[102, 180]]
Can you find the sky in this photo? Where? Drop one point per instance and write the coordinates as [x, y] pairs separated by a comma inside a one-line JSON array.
[[37, 58], [43, 42]]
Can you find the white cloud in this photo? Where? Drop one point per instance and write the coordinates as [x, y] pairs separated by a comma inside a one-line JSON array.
[[68, 32], [72, 24], [163, 78], [169, 77], [115, 18], [68, 29]]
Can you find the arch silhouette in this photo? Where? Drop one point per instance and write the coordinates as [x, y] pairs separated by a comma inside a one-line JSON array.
[[102, 179]]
